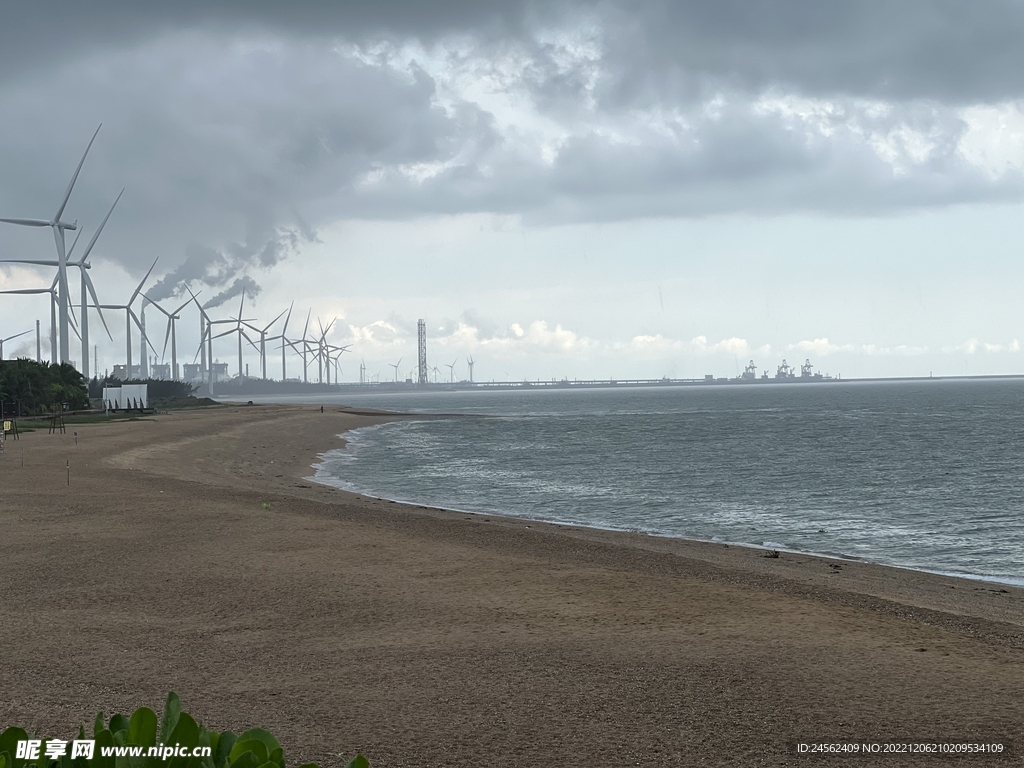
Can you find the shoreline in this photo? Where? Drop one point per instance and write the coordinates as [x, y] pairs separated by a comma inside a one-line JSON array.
[[872, 579], [1003, 580], [189, 554]]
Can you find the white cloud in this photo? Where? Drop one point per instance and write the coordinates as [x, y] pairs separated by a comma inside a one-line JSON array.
[[819, 347], [994, 139], [972, 346]]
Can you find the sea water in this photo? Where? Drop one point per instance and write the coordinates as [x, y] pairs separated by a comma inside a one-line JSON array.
[[926, 475]]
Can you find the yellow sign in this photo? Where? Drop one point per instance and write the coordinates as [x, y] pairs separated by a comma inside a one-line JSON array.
[[7, 426]]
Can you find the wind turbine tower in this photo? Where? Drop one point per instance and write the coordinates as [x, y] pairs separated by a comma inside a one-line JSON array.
[[421, 328], [469, 362]]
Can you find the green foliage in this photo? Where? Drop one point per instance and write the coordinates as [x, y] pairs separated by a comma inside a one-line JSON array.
[[32, 388], [255, 748]]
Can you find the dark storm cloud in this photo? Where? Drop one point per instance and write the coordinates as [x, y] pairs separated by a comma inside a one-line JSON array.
[[935, 49], [916, 48], [227, 121]]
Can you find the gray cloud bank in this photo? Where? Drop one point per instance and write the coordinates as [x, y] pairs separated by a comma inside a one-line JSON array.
[[228, 122]]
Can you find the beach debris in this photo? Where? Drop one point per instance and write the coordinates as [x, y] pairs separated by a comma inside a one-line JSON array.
[[772, 554]]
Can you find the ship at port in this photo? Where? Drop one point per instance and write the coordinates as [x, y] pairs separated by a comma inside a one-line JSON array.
[[785, 372]]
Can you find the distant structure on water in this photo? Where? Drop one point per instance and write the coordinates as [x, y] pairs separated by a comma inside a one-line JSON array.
[[421, 333]]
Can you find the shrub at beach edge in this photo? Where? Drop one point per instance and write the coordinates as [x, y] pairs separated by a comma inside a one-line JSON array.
[[178, 741]]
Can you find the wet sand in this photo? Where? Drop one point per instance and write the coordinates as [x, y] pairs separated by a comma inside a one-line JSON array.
[[189, 554]]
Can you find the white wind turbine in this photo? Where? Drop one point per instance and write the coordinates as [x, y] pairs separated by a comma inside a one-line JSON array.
[[451, 369], [87, 287], [11, 338], [59, 227], [305, 344], [469, 362], [329, 348], [324, 349], [263, 341], [239, 322], [395, 366], [129, 317], [205, 339], [171, 333], [285, 343]]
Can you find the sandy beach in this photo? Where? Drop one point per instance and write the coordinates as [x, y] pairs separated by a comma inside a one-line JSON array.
[[189, 553]]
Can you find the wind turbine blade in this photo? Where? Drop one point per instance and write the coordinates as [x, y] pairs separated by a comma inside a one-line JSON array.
[[103, 223], [142, 283], [155, 305], [167, 336], [285, 329], [26, 291], [251, 344], [27, 222], [310, 312], [36, 262], [71, 186], [67, 255], [267, 328], [196, 300], [96, 302], [11, 338]]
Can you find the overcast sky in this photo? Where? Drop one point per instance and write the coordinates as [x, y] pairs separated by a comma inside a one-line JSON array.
[[560, 189]]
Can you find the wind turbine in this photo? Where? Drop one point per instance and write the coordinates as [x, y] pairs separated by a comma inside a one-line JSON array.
[[469, 362], [324, 350], [239, 322], [129, 316], [204, 339], [336, 359], [284, 343], [263, 340], [87, 287], [58, 227], [11, 338], [305, 376], [171, 333], [451, 369], [362, 371], [395, 366]]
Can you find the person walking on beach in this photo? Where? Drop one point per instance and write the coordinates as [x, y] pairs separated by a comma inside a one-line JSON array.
[[321, 409]]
